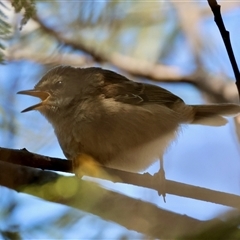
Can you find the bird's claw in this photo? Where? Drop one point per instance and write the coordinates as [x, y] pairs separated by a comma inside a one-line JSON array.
[[161, 180]]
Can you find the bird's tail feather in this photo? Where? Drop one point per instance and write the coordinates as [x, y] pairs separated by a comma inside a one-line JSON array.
[[213, 115]]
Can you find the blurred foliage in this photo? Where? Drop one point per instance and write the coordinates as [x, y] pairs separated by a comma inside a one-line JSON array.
[[104, 27], [28, 7], [4, 30]]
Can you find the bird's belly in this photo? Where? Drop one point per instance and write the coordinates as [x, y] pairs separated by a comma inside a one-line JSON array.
[[142, 156]]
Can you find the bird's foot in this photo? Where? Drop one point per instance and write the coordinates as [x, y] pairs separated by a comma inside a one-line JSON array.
[[160, 178]]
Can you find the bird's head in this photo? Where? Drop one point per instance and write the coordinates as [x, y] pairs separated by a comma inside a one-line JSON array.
[[63, 87]]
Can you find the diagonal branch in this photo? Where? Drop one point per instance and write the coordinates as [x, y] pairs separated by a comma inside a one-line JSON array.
[[25, 158], [215, 88], [90, 197], [216, 9]]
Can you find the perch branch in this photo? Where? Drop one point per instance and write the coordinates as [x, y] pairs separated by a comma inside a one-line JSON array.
[[25, 158]]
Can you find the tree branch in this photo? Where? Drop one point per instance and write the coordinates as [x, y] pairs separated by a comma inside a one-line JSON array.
[[90, 197], [213, 87], [216, 9], [17, 53], [25, 158], [133, 214]]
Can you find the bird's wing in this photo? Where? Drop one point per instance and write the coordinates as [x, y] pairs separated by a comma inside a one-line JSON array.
[[123, 90]]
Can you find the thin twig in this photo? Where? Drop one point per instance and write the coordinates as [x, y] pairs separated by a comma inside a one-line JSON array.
[[216, 9]]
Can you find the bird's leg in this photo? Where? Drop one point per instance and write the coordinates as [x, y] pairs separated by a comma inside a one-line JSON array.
[[162, 180]]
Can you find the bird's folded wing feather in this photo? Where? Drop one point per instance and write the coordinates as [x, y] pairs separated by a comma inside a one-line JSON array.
[[121, 89]]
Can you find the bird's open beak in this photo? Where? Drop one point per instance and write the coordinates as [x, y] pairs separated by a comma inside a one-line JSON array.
[[40, 94]]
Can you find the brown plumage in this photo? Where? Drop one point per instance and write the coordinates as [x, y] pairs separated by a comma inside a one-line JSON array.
[[118, 122]]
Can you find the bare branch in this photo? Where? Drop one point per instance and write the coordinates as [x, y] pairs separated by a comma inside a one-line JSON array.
[[216, 9], [17, 53], [133, 214], [215, 88], [227, 6], [213, 3], [90, 197], [25, 158]]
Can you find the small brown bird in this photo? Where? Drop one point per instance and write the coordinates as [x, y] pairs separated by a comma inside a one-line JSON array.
[[119, 123]]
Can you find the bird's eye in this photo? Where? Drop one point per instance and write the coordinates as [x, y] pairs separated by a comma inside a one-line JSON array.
[[57, 85]]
